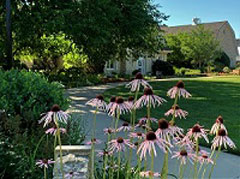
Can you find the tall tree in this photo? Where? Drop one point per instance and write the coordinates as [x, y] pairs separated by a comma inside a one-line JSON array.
[[104, 29], [201, 47]]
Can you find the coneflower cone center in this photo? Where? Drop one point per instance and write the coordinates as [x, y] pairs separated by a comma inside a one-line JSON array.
[[130, 98], [109, 131], [100, 97], [120, 140], [196, 129], [151, 136], [119, 100], [176, 107], [55, 108], [204, 156], [180, 84], [183, 153], [163, 124], [150, 173], [148, 91], [136, 143], [45, 161], [222, 132], [139, 134], [125, 124], [113, 99], [219, 119], [139, 76]]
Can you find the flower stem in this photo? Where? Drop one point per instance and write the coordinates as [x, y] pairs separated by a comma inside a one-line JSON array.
[[196, 160], [54, 147], [174, 110], [152, 161], [104, 166], [119, 163], [45, 172], [60, 145], [214, 162], [164, 171], [180, 171], [93, 144]]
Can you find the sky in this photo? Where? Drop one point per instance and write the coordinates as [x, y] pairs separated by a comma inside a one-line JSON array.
[[182, 11]]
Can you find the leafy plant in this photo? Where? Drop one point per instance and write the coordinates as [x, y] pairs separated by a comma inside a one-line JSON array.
[[162, 66]]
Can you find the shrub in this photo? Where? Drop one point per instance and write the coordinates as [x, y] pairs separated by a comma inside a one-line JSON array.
[[162, 66], [27, 95], [226, 70]]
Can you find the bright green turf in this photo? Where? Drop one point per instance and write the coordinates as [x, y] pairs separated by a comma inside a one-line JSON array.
[[211, 97]]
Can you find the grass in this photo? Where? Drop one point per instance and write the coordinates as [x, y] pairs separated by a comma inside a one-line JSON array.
[[211, 97]]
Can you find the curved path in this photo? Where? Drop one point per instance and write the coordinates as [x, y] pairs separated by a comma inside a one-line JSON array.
[[228, 166]]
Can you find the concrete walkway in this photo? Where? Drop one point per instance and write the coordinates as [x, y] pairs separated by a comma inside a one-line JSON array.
[[228, 166]]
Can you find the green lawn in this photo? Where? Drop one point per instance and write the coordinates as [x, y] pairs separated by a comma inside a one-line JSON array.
[[211, 97]]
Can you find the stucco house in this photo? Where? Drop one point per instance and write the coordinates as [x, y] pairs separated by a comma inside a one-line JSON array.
[[238, 45], [143, 64], [222, 31]]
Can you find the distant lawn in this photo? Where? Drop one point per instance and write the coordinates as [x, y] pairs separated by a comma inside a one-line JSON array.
[[211, 97]]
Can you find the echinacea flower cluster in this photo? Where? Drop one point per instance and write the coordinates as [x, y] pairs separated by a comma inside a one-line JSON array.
[[144, 142]]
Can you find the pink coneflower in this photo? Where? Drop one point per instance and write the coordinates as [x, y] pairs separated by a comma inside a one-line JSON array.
[[119, 144], [178, 112], [108, 131], [183, 155], [196, 132], [149, 98], [104, 153], [98, 102], [164, 131], [204, 157], [222, 139], [184, 141], [44, 163], [148, 144], [112, 101], [137, 82], [71, 175], [125, 127], [138, 135], [218, 125], [119, 105], [145, 119], [55, 115], [142, 124], [95, 141], [130, 101], [149, 174], [53, 130], [179, 90], [177, 131]]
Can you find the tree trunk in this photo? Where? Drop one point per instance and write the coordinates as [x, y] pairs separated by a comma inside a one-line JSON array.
[[9, 62]]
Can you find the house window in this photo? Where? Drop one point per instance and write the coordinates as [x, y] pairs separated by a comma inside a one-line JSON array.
[[139, 63], [110, 65]]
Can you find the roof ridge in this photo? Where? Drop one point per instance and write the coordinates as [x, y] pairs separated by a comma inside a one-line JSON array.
[[216, 22]]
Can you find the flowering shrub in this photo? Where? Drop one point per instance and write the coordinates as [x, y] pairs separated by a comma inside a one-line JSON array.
[[142, 139]]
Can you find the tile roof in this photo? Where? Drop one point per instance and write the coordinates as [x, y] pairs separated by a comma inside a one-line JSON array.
[[213, 26]]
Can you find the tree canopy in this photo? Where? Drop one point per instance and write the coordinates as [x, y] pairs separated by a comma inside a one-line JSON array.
[[103, 29], [198, 48]]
